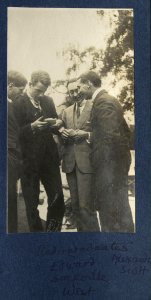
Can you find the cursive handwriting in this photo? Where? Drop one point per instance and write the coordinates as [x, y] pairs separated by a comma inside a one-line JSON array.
[[90, 248], [61, 265], [120, 259], [95, 275], [78, 291], [132, 265]]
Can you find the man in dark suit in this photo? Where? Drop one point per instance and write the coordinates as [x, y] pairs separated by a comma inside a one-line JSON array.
[[76, 162], [110, 156], [16, 85], [36, 115]]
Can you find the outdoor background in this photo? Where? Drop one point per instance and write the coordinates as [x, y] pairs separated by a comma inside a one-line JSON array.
[[66, 42]]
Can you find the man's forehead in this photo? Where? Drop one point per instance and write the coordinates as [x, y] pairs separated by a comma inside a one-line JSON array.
[[72, 85]]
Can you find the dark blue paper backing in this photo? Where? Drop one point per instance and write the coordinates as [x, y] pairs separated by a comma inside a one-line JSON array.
[[31, 265]]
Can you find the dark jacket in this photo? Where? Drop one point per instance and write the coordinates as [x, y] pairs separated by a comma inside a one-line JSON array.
[[13, 139], [111, 134], [39, 146]]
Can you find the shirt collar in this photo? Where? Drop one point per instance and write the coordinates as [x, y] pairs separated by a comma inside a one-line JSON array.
[[28, 94], [96, 93], [35, 104]]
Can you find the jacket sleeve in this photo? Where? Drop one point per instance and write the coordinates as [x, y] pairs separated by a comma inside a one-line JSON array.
[[51, 110], [64, 118], [110, 138], [108, 119], [20, 114], [110, 142]]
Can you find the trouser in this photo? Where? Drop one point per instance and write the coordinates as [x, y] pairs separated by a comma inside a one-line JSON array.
[[112, 202], [12, 199], [80, 185], [49, 175]]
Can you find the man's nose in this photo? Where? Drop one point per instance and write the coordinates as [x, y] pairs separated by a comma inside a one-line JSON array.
[[79, 90]]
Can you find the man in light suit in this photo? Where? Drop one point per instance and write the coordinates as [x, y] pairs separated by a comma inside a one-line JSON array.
[[110, 156], [76, 162]]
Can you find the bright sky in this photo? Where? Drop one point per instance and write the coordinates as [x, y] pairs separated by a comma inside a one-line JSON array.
[[37, 35]]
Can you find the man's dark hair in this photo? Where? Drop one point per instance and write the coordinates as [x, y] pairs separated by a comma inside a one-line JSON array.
[[40, 76], [92, 77], [16, 78]]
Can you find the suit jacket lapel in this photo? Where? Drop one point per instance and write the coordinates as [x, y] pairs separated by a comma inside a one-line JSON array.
[[85, 113], [70, 117]]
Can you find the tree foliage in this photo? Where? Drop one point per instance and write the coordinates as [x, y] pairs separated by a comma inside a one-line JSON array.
[[119, 57], [116, 60], [88, 59]]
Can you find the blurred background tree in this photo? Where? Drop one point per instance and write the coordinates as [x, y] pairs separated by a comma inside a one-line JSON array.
[[115, 63], [118, 57]]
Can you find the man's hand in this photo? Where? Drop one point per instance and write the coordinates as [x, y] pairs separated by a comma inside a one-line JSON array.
[[68, 133], [80, 135], [50, 121], [39, 125], [58, 124]]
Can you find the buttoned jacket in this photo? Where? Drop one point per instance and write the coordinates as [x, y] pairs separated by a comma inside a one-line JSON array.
[[77, 153]]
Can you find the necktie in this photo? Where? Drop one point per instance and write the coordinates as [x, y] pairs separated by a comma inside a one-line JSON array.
[[78, 110]]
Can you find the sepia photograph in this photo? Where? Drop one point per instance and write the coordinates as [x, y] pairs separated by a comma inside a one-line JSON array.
[[70, 120]]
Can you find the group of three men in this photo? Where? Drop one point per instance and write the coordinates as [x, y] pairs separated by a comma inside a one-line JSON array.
[[96, 156]]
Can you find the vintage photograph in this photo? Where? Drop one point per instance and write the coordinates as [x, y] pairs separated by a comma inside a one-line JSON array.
[[71, 122]]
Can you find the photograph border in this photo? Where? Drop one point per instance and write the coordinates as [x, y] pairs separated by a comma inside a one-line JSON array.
[[22, 253]]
